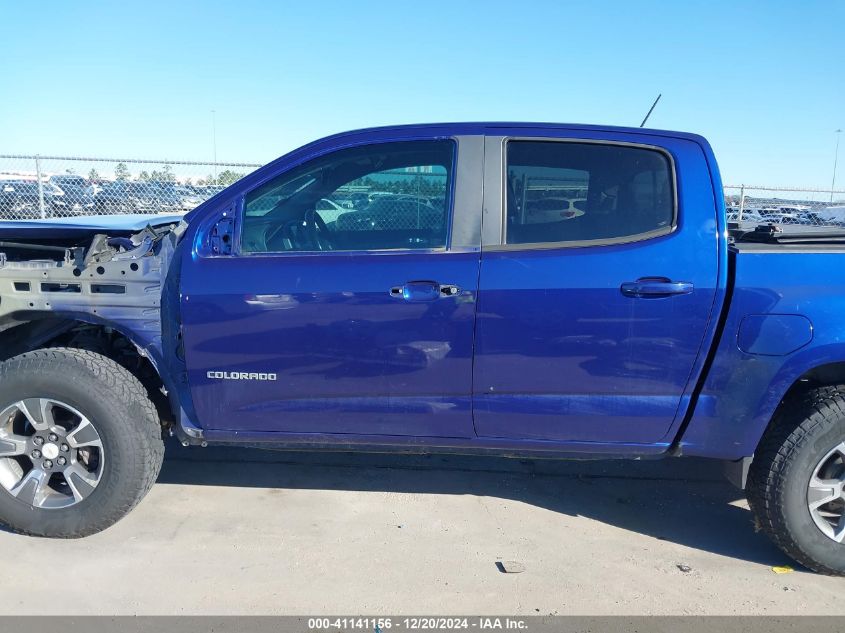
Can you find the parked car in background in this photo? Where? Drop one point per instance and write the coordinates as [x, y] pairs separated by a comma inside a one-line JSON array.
[[788, 214], [553, 209], [19, 200], [388, 213], [129, 196], [187, 198], [329, 210], [173, 197], [749, 216], [166, 194], [834, 214], [207, 191], [123, 196], [73, 195], [797, 209]]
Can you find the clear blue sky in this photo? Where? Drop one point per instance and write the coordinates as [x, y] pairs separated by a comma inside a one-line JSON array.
[[764, 81]]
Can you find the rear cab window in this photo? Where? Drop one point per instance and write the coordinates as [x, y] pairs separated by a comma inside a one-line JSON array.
[[569, 193]]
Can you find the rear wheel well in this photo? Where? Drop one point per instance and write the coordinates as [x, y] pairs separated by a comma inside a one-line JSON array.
[[101, 339], [830, 375]]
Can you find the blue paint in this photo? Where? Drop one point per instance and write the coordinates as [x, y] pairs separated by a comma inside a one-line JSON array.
[[774, 334], [595, 350], [745, 389], [348, 356]]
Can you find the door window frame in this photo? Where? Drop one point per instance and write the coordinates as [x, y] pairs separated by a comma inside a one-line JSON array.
[[464, 188], [494, 229]]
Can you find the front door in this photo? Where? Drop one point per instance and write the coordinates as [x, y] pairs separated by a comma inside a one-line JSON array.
[[596, 296], [348, 307]]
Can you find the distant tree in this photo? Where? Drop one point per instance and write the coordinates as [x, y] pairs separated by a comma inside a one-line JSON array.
[[144, 175], [70, 171], [121, 172], [163, 175], [227, 177], [93, 176], [167, 173]]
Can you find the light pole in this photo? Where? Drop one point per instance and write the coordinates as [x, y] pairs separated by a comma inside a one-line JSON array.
[[835, 160], [214, 141]]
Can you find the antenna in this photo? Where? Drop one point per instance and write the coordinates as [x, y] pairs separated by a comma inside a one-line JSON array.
[[651, 109]]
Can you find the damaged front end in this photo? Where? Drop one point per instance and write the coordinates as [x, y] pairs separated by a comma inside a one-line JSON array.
[[113, 281]]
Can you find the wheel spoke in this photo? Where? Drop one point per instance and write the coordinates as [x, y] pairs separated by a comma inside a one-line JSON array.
[[822, 491], [81, 482], [84, 435], [841, 450], [11, 445], [839, 529], [9, 414], [38, 412], [30, 488]]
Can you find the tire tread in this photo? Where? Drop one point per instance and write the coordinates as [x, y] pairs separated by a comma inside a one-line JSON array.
[[816, 409], [145, 432]]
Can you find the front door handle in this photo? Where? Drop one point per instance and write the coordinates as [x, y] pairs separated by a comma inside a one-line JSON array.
[[423, 291], [655, 287]]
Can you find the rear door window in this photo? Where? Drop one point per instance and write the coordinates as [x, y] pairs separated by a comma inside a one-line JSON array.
[[572, 192]]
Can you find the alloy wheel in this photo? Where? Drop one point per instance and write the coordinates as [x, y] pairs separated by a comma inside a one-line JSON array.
[[826, 494], [51, 455]]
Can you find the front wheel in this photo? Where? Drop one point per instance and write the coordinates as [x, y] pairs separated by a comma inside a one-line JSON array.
[[80, 443], [796, 484]]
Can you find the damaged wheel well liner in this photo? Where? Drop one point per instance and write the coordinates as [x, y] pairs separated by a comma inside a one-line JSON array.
[[101, 339]]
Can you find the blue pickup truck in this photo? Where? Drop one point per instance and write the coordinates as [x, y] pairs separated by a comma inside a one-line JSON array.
[[515, 289]]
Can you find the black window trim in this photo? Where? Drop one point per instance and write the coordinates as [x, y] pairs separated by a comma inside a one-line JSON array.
[[452, 178], [610, 241]]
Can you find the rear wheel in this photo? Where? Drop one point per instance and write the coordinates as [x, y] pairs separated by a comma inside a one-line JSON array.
[[80, 442], [796, 485]]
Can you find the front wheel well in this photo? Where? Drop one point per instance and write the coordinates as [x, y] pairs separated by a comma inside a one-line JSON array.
[[101, 339]]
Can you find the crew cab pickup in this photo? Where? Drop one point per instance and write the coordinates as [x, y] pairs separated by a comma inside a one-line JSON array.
[[517, 289]]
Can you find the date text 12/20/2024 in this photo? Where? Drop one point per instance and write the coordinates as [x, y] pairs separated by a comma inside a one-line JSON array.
[[416, 624]]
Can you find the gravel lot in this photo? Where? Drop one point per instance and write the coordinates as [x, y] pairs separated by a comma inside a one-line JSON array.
[[237, 531]]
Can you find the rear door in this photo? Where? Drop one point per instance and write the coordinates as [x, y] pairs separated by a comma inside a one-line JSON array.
[[349, 305], [598, 277]]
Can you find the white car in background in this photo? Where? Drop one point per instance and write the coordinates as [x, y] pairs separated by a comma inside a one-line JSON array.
[[748, 216], [545, 210], [833, 214], [329, 210]]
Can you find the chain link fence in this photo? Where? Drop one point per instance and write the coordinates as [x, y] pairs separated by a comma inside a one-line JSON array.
[[752, 204], [33, 187]]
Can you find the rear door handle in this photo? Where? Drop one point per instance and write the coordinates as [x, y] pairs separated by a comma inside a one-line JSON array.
[[655, 287], [423, 291]]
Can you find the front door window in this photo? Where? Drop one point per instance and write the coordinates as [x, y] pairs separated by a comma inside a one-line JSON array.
[[376, 197]]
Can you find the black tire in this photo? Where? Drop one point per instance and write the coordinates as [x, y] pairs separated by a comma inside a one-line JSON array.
[[805, 430], [118, 406]]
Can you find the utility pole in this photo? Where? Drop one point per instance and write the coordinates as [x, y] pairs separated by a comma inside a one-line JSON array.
[[835, 160], [41, 206], [214, 141]]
